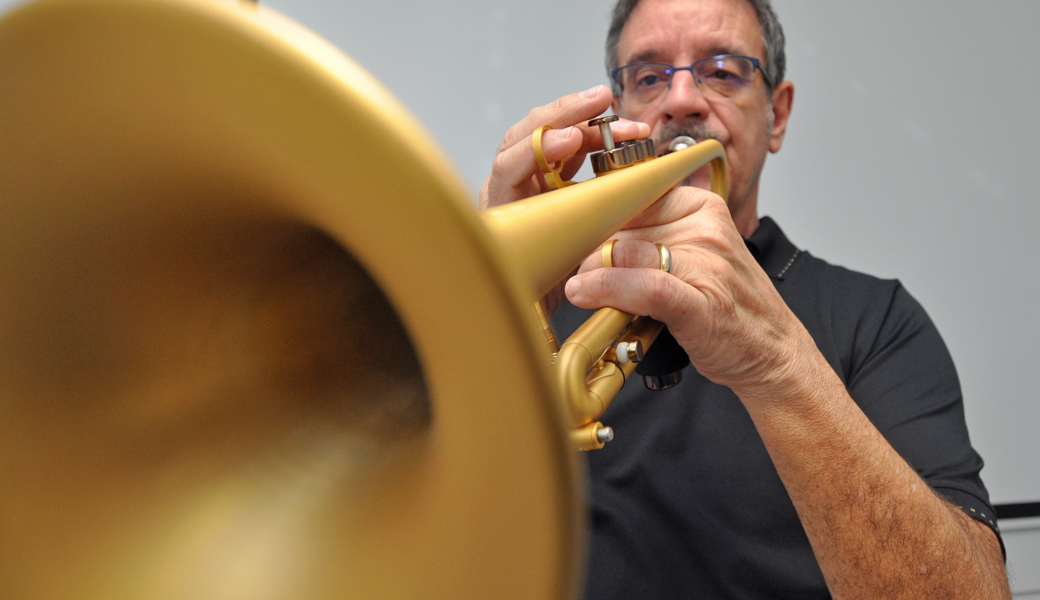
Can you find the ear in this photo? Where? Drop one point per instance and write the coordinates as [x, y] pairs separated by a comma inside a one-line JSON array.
[[615, 104], [783, 98]]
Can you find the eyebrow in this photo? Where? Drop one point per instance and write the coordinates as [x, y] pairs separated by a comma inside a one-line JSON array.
[[654, 55], [649, 55]]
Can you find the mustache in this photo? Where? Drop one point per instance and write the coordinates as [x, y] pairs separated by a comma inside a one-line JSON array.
[[697, 131]]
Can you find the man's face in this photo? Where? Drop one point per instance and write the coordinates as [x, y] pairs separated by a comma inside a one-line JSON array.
[[681, 32]]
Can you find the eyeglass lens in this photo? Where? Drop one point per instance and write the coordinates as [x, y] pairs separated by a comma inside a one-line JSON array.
[[718, 76]]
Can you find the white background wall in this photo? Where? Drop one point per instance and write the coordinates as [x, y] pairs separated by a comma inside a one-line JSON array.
[[912, 152]]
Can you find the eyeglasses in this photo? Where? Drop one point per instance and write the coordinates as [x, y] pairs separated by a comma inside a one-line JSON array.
[[723, 76]]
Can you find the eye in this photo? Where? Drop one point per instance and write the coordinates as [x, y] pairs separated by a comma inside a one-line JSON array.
[[650, 76], [721, 73], [728, 72], [648, 80]]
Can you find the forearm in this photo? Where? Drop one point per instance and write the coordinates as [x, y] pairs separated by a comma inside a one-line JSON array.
[[878, 531]]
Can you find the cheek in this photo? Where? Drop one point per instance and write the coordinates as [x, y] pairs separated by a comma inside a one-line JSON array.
[[748, 132], [727, 125], [642, 116]]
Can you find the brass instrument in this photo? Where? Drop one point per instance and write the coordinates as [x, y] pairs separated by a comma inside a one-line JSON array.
[[254, 340], [589, 370]]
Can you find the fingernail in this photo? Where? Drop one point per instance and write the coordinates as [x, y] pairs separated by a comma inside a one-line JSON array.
[[565, 132], [592, 92], [572, 287]]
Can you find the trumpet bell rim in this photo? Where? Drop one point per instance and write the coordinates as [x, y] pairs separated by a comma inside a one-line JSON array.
[[120, 116]]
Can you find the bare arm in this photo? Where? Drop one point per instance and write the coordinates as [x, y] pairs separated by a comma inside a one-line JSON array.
[[876, 528]]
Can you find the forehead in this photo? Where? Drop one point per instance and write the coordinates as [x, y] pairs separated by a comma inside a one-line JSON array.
[[669, 30]]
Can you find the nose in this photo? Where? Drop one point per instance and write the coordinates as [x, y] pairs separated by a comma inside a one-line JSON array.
[[684, 99]]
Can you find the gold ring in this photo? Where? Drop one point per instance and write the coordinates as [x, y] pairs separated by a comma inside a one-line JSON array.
[[608, 254], [666, 257], [552, 176]]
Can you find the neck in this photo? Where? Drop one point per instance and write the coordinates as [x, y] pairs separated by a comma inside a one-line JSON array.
[[745, 212]]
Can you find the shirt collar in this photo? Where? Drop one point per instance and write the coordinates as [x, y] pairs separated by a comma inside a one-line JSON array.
[[771, 248]]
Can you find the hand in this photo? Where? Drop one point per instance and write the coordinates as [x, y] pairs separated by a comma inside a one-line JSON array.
[[717, 302], [515, 175]]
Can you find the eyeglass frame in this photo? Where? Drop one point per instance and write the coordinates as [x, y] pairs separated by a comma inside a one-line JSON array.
[[755, 65]]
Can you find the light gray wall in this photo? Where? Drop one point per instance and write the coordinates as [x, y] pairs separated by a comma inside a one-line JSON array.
[[1022, 541], [910, 153]]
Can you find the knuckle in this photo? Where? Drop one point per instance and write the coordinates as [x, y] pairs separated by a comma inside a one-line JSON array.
[[484, 195], [710, 235], [555, 106], [626, 255], [716, 201], [660, 291], [512, 136], [610, 280], [499, 165], [590, 263], [713, 230]]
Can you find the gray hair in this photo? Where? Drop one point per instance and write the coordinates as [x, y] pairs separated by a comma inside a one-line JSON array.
[[772, 39]]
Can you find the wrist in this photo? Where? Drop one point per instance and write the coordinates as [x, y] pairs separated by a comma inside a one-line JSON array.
[[799, 379]]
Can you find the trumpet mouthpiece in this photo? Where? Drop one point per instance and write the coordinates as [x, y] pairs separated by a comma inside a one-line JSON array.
[[680, 143]]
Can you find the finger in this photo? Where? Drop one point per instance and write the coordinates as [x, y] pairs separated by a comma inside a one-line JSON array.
[[628, 253], [677, 204], [621, 130], [563, 112], [649, 292], [515, 163], [513, 168]]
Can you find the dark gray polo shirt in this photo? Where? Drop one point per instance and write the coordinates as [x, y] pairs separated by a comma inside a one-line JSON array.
[[686, 503]]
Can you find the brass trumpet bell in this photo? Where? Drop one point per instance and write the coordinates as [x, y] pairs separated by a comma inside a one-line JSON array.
[[232, 363]]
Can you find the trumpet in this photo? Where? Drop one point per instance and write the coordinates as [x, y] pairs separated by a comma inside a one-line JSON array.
[[232, 363], [547, 235]]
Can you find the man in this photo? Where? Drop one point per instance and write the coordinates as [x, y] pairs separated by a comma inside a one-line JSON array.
[[819, 450]]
